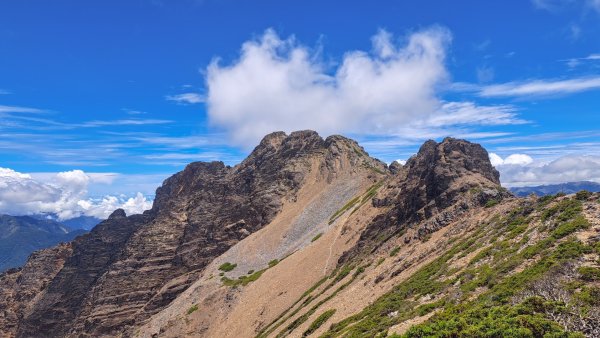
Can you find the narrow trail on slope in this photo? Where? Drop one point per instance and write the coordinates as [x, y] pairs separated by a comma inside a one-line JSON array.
[[331, 251]]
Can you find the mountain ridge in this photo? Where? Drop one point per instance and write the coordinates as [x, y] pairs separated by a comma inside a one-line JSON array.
[[304, 231], [22, 235], [550, 189]]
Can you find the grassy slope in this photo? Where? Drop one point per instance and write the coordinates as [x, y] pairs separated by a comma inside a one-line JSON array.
[[526, 275], [525, 281]]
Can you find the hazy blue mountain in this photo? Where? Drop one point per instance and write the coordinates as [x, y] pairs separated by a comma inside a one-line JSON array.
[[567, 188], [82, 222], [22, 235]]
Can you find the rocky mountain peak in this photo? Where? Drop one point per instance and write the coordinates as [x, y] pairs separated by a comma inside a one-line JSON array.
[[117, 214], [433, 190], [452, 158]]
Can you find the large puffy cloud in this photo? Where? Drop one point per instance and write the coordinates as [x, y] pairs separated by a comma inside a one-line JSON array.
[[522, 170], [279, 84], [64, 194]]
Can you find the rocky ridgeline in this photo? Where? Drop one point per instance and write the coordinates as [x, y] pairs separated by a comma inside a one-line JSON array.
[[129, 268], [430, 191]]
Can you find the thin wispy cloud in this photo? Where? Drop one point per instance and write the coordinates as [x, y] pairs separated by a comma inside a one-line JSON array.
[[574, 62], [18, 109], [559, 5], [186, 98], [541, 87], [124, 122], [44, 123], [541, 137]]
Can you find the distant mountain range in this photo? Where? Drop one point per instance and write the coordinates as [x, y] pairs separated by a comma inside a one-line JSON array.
[[551, 189], [81, 222], [22, 235]]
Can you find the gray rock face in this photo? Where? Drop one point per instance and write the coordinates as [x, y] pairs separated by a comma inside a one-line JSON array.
[[431, 186], [128, 268], [395, 167]]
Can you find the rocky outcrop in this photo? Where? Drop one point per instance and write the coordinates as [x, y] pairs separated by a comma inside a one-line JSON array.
[[129, 268], [431, 191], [20, 288]]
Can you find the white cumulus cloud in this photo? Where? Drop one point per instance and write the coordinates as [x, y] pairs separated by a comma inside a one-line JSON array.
[[514, 159], [64, 194], [280, 84]]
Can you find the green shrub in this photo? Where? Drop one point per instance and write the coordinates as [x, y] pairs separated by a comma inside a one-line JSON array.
[[395, 251], [192, 309], [343, 209], [345, 271], [227, 267], [491, 203], [250, 272], [317, 237], [314, 326], [589, 295], [589, 273], [523, 320], [273, 263], [583, 195], [566, 209], [570, 227], [243, 280]]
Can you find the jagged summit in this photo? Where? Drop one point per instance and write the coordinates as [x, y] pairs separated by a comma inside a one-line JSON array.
[[454, 157], [117, 214], [430, 191]]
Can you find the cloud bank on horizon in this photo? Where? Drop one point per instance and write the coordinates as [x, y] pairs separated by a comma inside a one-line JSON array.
[[518, 170], [64, 195]]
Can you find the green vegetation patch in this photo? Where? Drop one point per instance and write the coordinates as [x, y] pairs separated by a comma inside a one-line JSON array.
[[566, 209], [523, 320], [314, 326], [357, 201], [491, 203], [567, 228], [343, 209], [500, 270], [317, 237], [273, 263], [192, 309], [226, 267], [243, 280], [589, 273]]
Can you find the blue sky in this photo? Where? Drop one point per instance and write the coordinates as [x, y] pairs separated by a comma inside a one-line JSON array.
[[128, 92]]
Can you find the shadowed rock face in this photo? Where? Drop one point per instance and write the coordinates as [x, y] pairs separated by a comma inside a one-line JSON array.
[[128, 268], [431, 186]]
